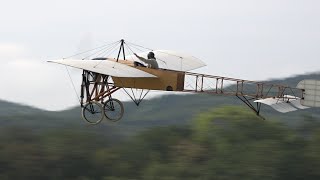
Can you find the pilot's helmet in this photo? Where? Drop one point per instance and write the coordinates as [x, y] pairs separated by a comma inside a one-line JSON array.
[[151, 55]]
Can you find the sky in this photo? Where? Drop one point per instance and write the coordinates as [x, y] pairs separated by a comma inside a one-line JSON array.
[[246, 39]]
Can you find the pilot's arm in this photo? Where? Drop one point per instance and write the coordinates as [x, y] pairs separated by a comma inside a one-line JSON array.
[[141, 58], [151, 63]]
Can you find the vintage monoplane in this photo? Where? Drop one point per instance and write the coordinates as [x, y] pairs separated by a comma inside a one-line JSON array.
[[103, 75]]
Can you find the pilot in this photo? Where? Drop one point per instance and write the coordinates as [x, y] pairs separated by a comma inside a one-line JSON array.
[[151, 61]]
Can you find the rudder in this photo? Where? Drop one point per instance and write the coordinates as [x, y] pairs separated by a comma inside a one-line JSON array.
[[311, 93]]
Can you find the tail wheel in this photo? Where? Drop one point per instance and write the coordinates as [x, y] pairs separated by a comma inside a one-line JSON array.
[[113, 109], [92, 112]]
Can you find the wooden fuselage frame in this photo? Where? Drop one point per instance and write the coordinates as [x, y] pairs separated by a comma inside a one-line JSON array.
[[169, 80], [165, 80]]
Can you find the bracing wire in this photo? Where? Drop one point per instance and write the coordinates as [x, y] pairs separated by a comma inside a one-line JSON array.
[[110, 52], [128, 47], [130, 50], [129, 95], [135, 46], [74, 87], [102, 50], [109, 49], [152, 49], [128, 44], [103, 53], [139, 46], [158, 59], [70, 78], [133, 98], [93, 49]]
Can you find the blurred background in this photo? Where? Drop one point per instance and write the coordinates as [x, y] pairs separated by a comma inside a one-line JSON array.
[[186, 136], [169, 136]]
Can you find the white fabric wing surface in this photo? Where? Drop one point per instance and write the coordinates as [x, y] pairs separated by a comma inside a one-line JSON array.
[[283, 105], [104, 67], [173, 60]]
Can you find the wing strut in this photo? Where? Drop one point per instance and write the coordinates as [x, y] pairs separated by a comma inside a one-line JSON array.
[[256, 108]]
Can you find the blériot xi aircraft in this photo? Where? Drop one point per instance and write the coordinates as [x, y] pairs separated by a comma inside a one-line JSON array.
[[103, 75]]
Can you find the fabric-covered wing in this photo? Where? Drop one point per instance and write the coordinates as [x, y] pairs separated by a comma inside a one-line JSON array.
[[173, 60], [286, 104], [105, 67]]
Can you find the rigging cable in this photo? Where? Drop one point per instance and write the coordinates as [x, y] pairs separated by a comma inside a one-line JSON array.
[[74, 87], [109, 52], [157, 59], [102, 51], [128, 47], [92, 49], [139, 46]]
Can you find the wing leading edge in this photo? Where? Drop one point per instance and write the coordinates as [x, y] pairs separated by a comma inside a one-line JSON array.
[[110, 68]]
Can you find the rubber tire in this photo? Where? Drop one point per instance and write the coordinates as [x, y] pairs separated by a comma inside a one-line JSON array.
[[85, 110], [106, 111]]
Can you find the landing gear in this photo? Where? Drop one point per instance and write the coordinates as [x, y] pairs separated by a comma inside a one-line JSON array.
[[96, 100], [113, 110], [92, 112], [96, 91]]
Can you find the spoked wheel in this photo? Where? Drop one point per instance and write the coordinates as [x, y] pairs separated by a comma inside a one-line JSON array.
[[92, 112], [113, 110]]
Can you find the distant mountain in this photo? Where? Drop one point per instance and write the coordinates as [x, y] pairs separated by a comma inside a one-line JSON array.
[[294, 80], [160, 111], [14, 108]]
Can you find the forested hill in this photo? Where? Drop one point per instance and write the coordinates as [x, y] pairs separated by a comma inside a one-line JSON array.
[[10, 108], [294, 80], [171, 137], [161, 111]]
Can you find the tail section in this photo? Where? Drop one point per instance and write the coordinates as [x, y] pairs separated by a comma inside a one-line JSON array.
[[285, 104], [311, 93]]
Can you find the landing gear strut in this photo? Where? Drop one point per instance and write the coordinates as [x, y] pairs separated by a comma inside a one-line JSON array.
[[95, 89]]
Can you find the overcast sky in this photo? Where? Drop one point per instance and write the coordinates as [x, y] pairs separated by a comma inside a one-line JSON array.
[[248, 39]]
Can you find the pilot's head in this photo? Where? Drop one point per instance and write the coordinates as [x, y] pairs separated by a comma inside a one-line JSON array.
[[151, 55]]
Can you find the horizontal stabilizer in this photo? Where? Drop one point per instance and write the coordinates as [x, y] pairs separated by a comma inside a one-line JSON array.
[[285, 104], [311, 92]]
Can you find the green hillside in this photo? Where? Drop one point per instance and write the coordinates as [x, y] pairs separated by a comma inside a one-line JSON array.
[[161, 111], [188, 136], [228, 142]]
